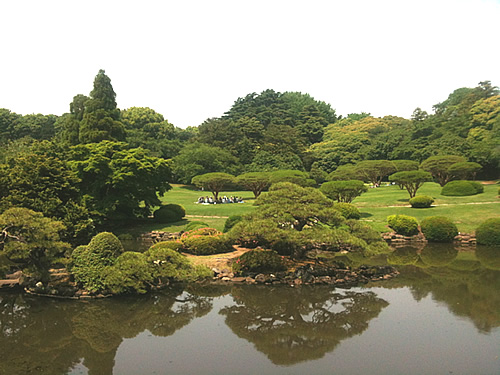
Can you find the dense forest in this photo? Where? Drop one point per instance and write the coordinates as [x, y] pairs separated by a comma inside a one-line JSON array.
[[98, 163]]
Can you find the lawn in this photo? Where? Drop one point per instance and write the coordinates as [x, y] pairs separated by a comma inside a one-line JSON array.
[[375, 205]]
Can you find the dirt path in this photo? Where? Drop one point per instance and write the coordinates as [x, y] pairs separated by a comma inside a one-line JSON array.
[[219, 261], [209, 217]]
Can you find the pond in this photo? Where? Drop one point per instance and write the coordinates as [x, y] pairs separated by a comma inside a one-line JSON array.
[[441, 315]]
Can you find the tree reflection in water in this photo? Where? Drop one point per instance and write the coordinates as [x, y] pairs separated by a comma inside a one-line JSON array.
[[47, 336], [292, 325]]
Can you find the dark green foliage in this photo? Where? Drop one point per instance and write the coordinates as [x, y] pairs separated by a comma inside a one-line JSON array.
[[438, 229], [488, 232], [195, 224], [293, 176], [106, 246], [131, 273], [363, 231], [462, 188], [206, 245], [403, 256], [259, 261], [214, 182], [421, 201], [347, 210], [171, 245], [343, 191], [438, 166], [464, 170], [438, 256], [403, 224], [411, 180], [231, 221], [169, 213], [256, 182]]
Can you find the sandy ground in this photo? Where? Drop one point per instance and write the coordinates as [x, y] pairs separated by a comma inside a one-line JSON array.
[[219, 261]]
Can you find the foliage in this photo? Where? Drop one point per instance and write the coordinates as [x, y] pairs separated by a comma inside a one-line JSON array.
[[89, 262], [343, 173], [259, 261], [170, 245], [403, 224], [256, 182], [201, 232], [462, 188], [343, 191], [214, 182], [169, 213], [421, 201], [293, 176], [347, 210], [439, 166], [206, 245], [411, 180], [129, 274], [231, 222], [438, 229], [375, 170], [488, 232], [464, 170], [331, 239], [290, 205], [195, 224], [363, 231], [438, 256], [120, 182], [30, 239]]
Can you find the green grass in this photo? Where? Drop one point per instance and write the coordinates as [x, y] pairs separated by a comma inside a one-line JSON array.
[[466, 212], [375, 205]]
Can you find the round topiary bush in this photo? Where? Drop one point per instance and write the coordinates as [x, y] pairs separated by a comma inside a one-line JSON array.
[[106, 246], [195, 224], [169, 213], [421, 201], [170, 245], [201, 232], [488, 232], [403, 224], [259, 261], [462, 188], [206, 245], [231, 222], [347, 210], [438, 229]]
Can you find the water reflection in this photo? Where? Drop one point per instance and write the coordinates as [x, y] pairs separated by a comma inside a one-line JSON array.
[[294, 325], [52, 336]]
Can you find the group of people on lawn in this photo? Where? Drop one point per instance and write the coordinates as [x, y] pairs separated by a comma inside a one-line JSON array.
[[219, 200]]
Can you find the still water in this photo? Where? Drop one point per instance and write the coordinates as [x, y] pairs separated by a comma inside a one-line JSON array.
[[440, 316]]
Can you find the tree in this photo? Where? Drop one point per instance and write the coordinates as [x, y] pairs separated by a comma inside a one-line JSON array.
[[214, 182], [411, 180], [375, 170], [30, 239], [290, 175], [120, 182], [101, 117], [344, 172], [195, 159], [464, 170], [438, 166], [343, 191], [256, 182]]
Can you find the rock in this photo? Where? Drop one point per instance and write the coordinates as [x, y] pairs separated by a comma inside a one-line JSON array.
[[250, 280], [225, 278], [297, 282], [239, 279], [260, 278]]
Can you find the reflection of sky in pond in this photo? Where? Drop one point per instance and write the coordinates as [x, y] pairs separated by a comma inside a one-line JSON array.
[[407, 337]]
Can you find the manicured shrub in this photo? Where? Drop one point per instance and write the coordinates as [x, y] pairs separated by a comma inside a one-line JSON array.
[[169, 213], [347, 210], [462, 188], [170, 245], [488, 232], [130, 274], [201, 232], [231, 222], [331, 239], [259, 261], [363, 231], [403, 224], [253, 233], [195, 224], [438, 229], [206, 245], [421, 201], [106, 246]]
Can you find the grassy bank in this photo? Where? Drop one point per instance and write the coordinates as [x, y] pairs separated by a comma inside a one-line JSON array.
[[375, 205]]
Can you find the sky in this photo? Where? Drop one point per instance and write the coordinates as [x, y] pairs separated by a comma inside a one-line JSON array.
[[191, 60]]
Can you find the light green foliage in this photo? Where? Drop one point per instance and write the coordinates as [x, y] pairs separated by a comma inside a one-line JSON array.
[[438, 229], [488, 233], [438, 166], [231, 222], [214, 182], [405, 165], [411, 180], [207, 245], [462, 188], [464, 170], [292, 176], [331, 239], [256, 182], [421, 201], [30, 239], [403, 224], [347, 210], [259, 261], [120, 182], [195, 224], [343, 191], [343, 173], [171, 245], [374, 170], [88, 263], [131, 273], [169, 213], [363, 231]]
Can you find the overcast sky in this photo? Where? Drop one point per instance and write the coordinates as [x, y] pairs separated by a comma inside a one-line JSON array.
[[190, 60]]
